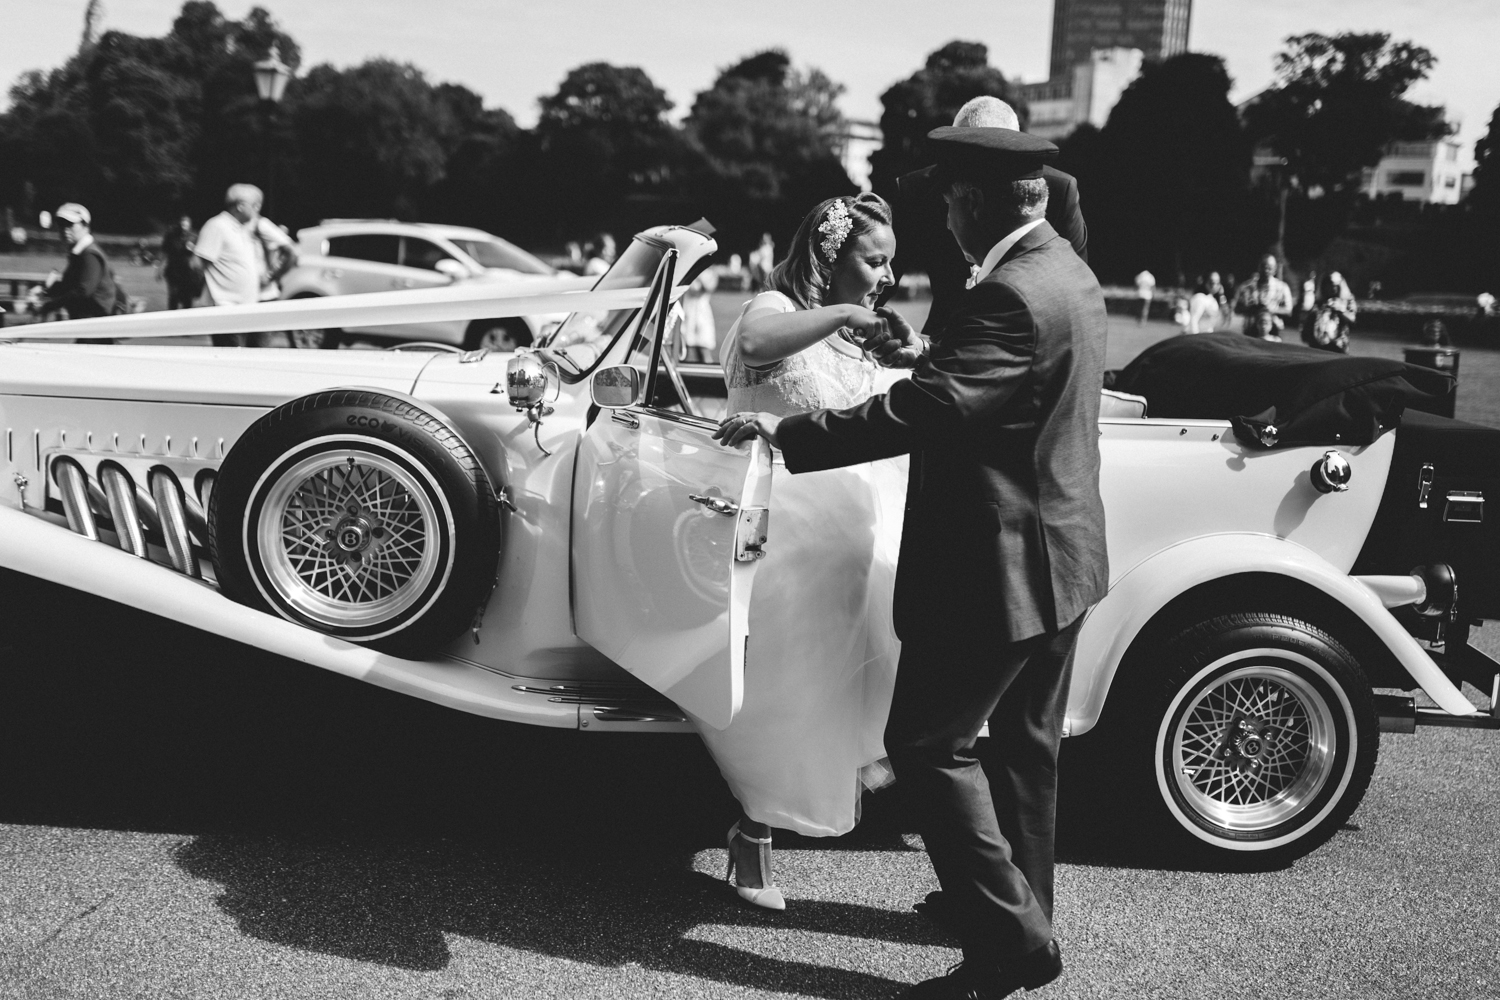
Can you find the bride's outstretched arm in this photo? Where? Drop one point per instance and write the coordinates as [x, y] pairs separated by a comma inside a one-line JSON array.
[[769, 337]]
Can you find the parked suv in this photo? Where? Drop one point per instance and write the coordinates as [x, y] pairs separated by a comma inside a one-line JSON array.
[[347, 256]]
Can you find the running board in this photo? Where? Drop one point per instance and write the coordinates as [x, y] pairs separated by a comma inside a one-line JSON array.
[[1400, 714]]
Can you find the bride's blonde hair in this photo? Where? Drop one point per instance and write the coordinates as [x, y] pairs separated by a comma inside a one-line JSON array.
[[803, 274]]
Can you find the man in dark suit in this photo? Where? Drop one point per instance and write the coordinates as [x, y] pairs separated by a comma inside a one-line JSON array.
[[1002, 550], [922, 239]]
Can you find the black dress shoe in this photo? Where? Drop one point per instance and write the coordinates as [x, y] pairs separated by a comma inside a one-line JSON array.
[[977, 981]]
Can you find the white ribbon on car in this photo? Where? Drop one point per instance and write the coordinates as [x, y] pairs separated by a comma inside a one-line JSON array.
[[426, 305]]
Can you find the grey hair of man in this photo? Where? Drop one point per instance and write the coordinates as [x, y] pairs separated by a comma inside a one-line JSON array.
[[243, 193], [1019, 202], [985, 111], [1005, 204]]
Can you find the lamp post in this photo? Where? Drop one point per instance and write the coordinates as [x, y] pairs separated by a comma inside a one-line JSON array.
[[271, 77]]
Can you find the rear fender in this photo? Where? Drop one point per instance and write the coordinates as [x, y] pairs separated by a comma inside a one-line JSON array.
[[1140, 595]]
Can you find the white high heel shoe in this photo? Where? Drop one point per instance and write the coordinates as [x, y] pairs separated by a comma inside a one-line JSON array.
[[766, 895]]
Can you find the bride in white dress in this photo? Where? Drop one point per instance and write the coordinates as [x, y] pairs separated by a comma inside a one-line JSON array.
[[822, 654]]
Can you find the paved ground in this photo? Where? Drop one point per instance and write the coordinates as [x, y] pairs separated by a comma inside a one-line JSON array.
[[183, 817]]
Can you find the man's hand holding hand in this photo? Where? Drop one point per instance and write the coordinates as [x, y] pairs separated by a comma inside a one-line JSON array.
[[897, 345], [744, 426]]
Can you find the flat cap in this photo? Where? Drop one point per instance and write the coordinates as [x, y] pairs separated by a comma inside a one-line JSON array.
[[989, 154]]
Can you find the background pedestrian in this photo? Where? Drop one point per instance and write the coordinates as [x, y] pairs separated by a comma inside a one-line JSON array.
[[1145, 290], [184, 283], [87, 287]]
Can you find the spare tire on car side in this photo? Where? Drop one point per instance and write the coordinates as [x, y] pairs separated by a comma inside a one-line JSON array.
[[361, 515]]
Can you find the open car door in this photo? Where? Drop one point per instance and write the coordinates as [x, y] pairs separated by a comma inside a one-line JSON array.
[[668, 525]]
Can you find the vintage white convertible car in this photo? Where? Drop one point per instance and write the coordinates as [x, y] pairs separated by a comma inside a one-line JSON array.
[[554, 538]]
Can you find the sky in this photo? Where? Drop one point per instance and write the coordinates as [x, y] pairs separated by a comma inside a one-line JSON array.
[[512, 52]]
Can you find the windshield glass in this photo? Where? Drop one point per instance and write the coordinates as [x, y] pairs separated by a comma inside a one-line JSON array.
[[584, 337], [495, 252]]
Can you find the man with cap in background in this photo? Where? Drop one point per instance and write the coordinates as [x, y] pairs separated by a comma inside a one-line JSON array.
[[922, 239], [87, 286], [1002, 548]]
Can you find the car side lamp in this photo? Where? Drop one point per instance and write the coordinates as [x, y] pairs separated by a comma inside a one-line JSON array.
[[1331, 473], [528, 381]]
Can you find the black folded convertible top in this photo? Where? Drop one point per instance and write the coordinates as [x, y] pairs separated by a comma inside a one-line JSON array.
[[1278, 395]]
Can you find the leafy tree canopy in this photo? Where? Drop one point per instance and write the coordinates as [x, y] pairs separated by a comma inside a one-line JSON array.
[[767, 136], [764, 125], [124, 124], [1338, 102], [1162, 182], [930, 97]]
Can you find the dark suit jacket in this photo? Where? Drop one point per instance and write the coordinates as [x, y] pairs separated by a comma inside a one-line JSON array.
[[1004, 529], [923, 242]]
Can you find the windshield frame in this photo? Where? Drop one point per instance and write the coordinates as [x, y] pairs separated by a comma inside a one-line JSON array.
[[631, 321]]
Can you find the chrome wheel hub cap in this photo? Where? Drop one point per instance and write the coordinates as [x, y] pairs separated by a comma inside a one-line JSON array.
[[1253, 748], [349, 537]]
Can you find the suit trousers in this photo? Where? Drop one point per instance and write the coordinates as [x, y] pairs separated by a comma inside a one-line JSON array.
[[989, 826]]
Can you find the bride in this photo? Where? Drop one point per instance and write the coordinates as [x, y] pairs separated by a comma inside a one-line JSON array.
[[822, 654]]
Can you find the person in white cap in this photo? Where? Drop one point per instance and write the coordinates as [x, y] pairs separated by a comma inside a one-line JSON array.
[[87, 286]]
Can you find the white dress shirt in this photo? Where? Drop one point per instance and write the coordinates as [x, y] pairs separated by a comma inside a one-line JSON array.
[[999, 250]]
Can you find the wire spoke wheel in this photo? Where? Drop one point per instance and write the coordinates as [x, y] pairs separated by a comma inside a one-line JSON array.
[[360, 515], [1253, 747], [349, 537]]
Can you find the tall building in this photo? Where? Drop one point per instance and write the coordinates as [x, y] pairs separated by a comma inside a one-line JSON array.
[[1159, 28], [1086, 95]]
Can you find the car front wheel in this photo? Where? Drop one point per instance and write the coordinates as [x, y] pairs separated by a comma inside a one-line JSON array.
[[359, 515], [1259, 741]]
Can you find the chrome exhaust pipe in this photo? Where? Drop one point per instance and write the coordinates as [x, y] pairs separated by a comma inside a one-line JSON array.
[[196, 519], [70, 476], [122, 509], [145, 505], [167, 492]]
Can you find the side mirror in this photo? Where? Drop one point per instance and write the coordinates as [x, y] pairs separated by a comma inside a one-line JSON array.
[[613, 388], [452, 268]]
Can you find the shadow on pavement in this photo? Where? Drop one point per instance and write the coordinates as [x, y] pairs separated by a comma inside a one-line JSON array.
[[346, 820], [343, 819]]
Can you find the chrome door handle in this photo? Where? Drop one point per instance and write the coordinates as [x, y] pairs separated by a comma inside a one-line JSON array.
[[625, 417], [716, 504]]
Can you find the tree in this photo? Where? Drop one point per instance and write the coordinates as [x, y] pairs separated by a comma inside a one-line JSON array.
[[1338, 102], [1485, 197], [141, 128], [1169, 173], [929, 98], [769, 137], [369, 140], [601, 138], [1482, 222]]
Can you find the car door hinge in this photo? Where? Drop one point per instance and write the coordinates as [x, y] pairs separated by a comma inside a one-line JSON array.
[[1424, 484], [750, 534]]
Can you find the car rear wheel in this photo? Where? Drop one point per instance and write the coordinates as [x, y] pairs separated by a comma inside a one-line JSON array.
[[359, 515], [1256, 744], [497, 334]]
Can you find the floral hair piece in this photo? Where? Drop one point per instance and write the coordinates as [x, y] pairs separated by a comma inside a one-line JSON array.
[[835, 228]]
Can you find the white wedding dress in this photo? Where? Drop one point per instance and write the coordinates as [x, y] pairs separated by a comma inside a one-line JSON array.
[[822, 656]]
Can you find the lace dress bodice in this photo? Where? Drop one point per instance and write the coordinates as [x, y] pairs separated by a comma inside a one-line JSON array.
[[831, 374]]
